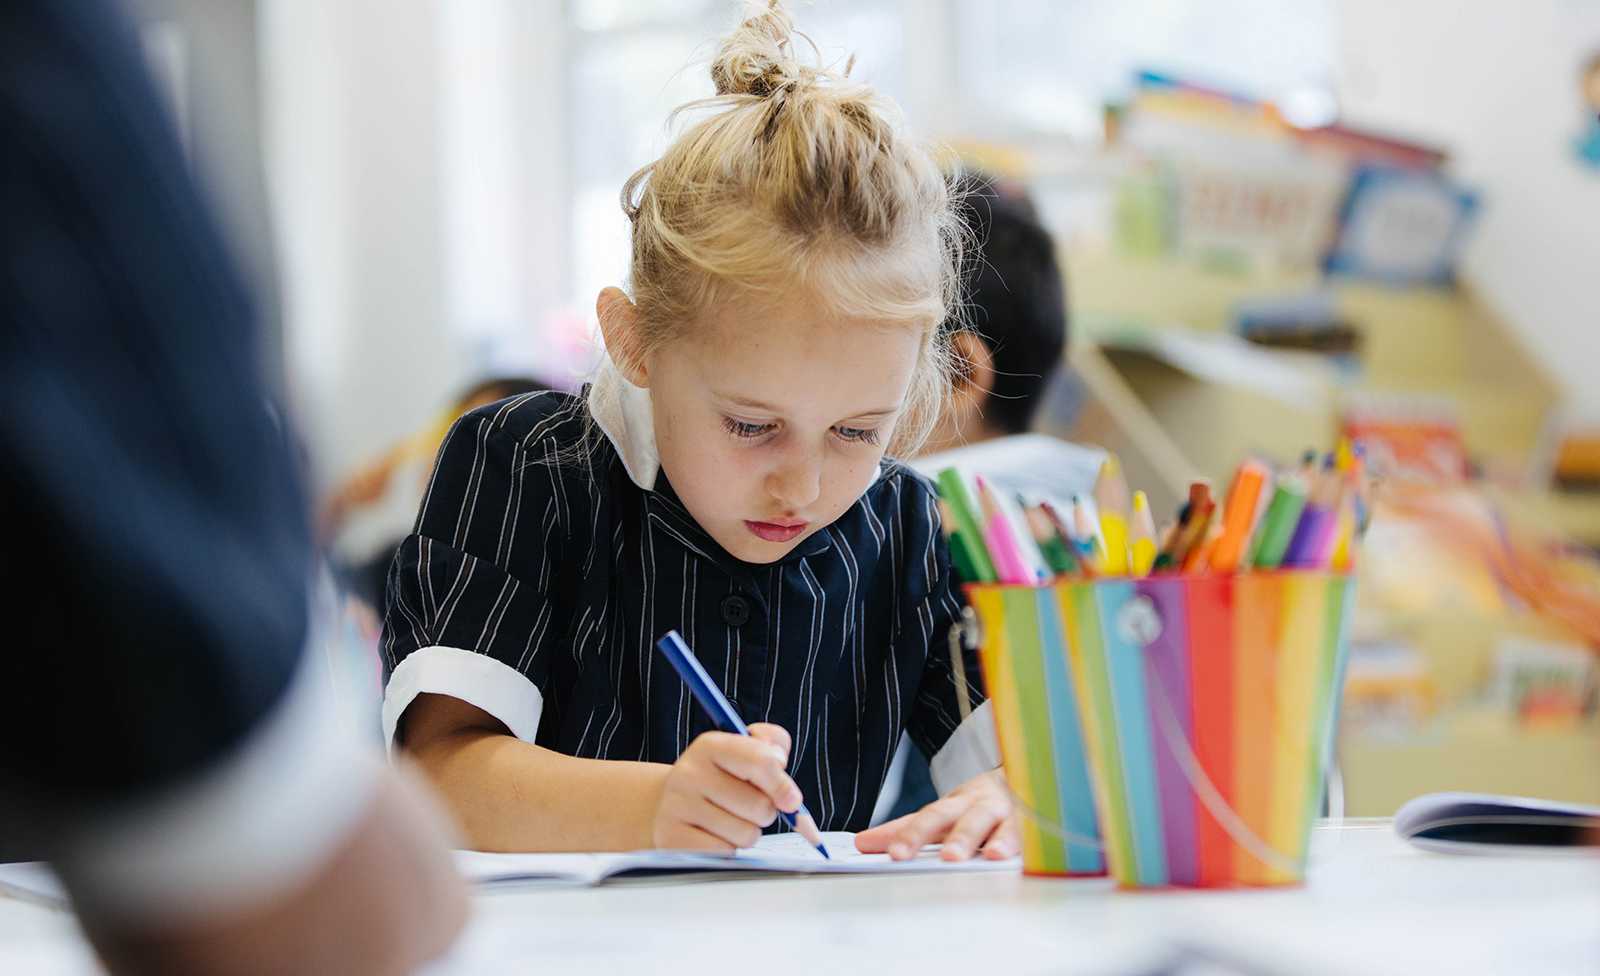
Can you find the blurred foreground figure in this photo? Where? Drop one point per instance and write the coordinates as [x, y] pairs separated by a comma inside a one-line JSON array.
[[162, 740]]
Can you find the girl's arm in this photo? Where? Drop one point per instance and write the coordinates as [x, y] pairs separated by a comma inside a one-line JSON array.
[[511, 795]]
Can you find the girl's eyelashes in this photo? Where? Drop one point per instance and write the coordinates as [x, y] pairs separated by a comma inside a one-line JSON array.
[[860, 435], [740, 428], [745, 430]]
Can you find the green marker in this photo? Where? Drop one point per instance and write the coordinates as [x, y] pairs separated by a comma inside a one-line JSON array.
[[966, 532], [961, 557], [1277, 525]]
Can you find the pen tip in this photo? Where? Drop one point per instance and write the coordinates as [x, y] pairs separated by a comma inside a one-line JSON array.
[[824, 852]]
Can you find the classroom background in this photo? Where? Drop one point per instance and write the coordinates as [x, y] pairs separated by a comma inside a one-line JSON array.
[[1279, 222]]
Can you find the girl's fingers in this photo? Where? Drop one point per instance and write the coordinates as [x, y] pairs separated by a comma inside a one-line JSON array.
[[740, 799], [926, 826], [757, 762], [683, 836], [1005, 842], [978, 823], [775, 734], [877, 839], [719, 823]]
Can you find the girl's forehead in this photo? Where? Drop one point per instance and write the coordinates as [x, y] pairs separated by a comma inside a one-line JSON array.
[[797, 358]]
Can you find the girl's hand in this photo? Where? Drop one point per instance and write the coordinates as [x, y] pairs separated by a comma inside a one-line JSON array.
[[724, 789], [976, 816]]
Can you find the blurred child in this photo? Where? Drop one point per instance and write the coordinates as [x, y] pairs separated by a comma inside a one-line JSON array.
[[1013, 345], [1006, 358], [363, 520], [794, 257]]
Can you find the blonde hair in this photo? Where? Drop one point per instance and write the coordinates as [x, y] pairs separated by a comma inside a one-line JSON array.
[[800, 179]]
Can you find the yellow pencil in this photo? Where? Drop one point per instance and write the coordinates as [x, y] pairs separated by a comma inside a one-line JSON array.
[[1143, 549], [1111, 498]]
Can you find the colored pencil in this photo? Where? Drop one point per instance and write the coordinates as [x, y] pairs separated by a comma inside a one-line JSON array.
[[1199, 557], [1310, 542], [1142, 530], [1111, 497], [1202, 508], [1083, 561], [1090, 549], [1011, 506], [1057, 553], [1001, 537]]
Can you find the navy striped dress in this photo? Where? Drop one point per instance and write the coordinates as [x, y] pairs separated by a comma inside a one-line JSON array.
[[539, 576]]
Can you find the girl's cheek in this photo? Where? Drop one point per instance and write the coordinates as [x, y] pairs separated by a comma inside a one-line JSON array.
[[853, 479]]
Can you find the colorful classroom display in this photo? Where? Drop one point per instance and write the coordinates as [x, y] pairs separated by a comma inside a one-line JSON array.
[[1166, 704]]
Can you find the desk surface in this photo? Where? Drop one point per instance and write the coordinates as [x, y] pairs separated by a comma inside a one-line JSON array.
[[1373, 905]]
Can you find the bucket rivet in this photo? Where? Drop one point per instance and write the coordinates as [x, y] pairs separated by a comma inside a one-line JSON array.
[[1138, 622]]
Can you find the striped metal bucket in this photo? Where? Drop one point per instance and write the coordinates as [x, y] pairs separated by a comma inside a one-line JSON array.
[[1174, 730]]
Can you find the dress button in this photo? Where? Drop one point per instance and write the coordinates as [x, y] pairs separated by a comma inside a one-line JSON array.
[[735, 610]]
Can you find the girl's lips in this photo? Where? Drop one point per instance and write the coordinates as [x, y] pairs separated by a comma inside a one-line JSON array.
[[776, 531]]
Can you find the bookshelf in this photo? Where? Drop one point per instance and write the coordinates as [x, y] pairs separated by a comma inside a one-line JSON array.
[[1172, 420]]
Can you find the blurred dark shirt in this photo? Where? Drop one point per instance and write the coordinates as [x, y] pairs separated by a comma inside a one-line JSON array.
[[155, 553]]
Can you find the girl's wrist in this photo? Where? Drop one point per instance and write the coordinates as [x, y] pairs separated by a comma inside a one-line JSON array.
[[654, 782]]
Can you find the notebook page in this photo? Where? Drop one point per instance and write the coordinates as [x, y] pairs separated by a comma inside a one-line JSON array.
[[786, 853], [790, 852], [485, 869]]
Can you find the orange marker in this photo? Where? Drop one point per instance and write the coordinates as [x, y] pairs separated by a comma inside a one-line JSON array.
[[1244, 498]]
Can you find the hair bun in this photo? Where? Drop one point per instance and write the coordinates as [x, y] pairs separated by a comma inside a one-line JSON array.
[[757, 58]]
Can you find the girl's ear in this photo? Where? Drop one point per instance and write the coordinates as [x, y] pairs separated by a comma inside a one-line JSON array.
[[974, 371], [619, 324]]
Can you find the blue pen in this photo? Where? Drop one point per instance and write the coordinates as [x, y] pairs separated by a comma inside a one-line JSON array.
[[721, 711]]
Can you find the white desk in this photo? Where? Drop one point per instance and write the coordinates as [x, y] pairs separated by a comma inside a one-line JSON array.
[[1373, 905]]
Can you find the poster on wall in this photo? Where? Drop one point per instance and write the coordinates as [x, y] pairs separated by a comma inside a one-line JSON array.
[[1402, 227], [1587, 144]]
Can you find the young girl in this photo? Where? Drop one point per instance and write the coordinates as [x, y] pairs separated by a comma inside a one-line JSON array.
[[794, 256]]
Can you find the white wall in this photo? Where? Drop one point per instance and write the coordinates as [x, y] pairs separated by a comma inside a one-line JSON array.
[[1496, 83], [352, 128], [209, 56], [415, 166]]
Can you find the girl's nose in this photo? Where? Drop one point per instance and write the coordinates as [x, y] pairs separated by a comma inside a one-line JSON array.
[[797, 481]]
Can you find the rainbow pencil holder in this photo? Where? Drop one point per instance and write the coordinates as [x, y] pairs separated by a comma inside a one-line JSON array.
[[1184, 722]]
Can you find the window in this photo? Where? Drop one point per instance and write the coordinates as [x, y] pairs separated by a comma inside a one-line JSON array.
[[634, 61], [1048, 65]]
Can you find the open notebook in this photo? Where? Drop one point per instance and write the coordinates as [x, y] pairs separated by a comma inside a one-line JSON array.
[[1481, 823], [775, 854]]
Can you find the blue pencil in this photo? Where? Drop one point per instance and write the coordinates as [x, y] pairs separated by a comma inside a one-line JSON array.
[[716, 705]]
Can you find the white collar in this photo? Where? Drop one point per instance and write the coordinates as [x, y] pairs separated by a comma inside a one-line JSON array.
[[623, 412]]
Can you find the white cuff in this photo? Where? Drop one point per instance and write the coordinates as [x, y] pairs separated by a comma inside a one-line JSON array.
[[249, 828], [476, 679], [971, 749]]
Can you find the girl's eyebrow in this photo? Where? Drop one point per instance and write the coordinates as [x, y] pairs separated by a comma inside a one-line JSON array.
[[739, 401]]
